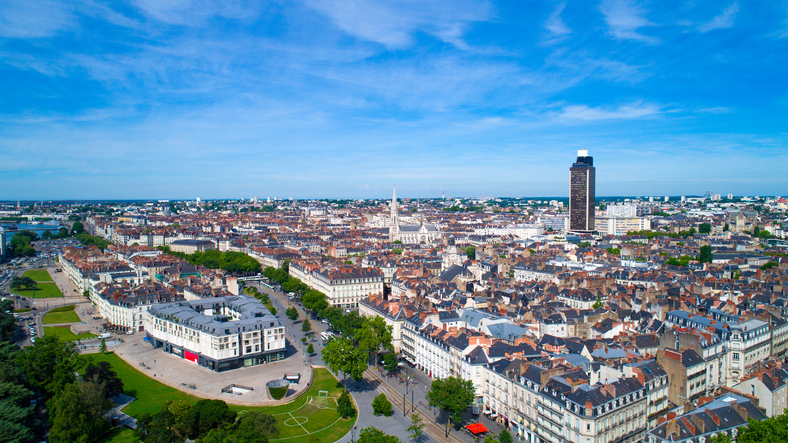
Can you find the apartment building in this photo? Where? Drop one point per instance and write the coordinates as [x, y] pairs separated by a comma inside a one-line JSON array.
[[557, 403], [217, 333], [724, 415], [343, 286], [124, 306], [748, 341]]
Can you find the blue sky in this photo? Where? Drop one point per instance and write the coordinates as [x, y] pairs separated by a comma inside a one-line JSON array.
[[344, 99]]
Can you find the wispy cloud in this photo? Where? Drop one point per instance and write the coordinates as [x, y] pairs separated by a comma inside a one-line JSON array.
[[577, 113], [624, 19], [555, 26], [31, 19], [394, 23], [724, 20]]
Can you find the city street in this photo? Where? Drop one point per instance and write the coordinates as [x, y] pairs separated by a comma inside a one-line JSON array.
[[375, 381]]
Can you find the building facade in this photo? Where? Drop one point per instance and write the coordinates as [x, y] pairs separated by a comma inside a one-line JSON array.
[[582, 192], [217, 333]]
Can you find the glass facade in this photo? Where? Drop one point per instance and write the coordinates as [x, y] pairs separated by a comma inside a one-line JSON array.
[[582, 180]]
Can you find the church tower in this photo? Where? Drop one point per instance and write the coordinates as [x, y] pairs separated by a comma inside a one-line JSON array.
[[394, 207], [394, 226]]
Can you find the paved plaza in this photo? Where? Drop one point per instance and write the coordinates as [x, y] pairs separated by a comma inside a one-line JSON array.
[[180, 373]]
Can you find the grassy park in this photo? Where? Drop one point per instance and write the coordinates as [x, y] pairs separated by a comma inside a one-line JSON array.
[[63, 314], [44, 290], [309, 414], [65, 334], [39, 275]]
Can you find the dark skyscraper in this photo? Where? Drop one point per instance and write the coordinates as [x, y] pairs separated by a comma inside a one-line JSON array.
[[582, 179]]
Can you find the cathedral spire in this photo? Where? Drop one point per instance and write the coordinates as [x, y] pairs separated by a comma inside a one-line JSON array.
[[394, 207]]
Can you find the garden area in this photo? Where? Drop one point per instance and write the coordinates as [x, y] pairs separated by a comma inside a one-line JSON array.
[[35, 283], [65, 334], [313, 414], [63, 314], [38, 275]]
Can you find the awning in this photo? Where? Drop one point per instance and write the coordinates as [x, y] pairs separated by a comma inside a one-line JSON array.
[[477, 428]]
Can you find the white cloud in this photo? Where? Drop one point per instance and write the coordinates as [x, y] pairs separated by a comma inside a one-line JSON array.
[[393, 23], [554, 24], [584, 113], [195, 12], [724, 20], [624, 19], [33, 18]]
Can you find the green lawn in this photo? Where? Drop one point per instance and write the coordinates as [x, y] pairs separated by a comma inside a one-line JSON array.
[[39, 275], [44, 290], [22, 310], [323, 423], [64, 314], [65, 334], [120, 435]]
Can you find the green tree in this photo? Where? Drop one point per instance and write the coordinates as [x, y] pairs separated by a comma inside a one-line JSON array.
[[23, 283], [76, 413], [255, 427], [505, 437], [770, 264], [17, 419], [452, 395], [315, 301], [292, 313], [725, 228], [77, 227], [721, 438], [390, 362], [310, 349], [101, 373], [397, 251], [491, 439], [704, 228], [416, 428], [598, 303], [772, 430], [206, 415], [345, 407], [306, 326], [373, 336], [50, 364], [342, 355], [470, 251], [103, 347], [382, 406], [705, 254], [374, 435], [160, 427]]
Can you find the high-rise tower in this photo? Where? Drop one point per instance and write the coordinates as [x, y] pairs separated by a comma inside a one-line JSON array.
[[582, 180]]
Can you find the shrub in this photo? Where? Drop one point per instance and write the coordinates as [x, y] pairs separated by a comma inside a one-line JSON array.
[[345, 406], [382, 406]]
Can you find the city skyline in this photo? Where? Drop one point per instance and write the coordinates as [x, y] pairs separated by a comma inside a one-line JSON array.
[[318, 99]]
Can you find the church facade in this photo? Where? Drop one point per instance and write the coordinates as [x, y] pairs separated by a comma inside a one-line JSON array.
[[410, 234]]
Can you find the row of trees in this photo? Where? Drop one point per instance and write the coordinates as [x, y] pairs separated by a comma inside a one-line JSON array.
[[20, 243], [210, 421], [75, 406], [92, 240], [230, 261], [17, 413], [22, 283]]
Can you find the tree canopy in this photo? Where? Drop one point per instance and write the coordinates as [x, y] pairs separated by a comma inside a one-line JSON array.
[[342, 355], [705, 254], [452, 395]]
